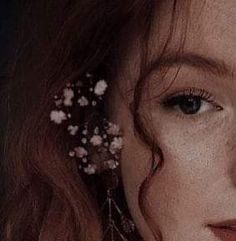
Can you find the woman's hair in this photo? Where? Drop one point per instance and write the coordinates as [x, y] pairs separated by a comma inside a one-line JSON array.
[[45, 197]]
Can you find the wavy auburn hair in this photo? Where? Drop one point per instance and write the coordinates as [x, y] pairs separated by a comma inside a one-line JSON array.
[[45, 197]]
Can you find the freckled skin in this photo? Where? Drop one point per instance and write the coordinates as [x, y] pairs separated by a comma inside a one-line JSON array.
[[197, 184]]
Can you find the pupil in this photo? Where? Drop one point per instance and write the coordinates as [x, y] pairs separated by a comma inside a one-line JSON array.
[[190, 105]]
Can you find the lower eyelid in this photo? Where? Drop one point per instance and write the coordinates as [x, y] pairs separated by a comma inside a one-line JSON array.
[[188, 118]]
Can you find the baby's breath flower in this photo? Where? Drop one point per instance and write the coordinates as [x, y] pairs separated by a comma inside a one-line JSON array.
[[84, 140], [113, 129], [80, 151], [73, 129], [71, 153], [90, 169], [96, 140], [88, 75], [83, 101], [57, 116], [58, 102], [100, 87], [84, 160], [85, 132], [106, 144], [68, 94], [96, 130], [112, 164], [116, 145]]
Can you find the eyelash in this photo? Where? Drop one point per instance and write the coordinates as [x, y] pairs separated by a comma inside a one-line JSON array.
[[173, 99]]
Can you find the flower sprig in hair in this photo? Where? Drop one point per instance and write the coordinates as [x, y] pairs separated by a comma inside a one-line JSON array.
[[99, 145]]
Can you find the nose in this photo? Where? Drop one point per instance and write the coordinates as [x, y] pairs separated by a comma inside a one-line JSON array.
[[232, 155]]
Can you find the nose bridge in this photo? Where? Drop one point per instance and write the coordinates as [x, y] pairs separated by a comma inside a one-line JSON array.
[[231, 142], [229, 133], [231, 154]]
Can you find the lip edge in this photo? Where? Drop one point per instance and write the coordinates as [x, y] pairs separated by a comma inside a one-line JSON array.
[[223, 234], [225, 225], [226, 222]]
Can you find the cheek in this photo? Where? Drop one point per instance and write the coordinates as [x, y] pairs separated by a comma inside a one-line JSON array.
[[194, 181], [197, 177], [179, 188]]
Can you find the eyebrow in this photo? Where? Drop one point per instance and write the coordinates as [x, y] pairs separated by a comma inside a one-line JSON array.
[[207, 64]]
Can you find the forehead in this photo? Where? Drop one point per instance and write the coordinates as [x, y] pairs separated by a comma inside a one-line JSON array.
[[212, 29], [208, 27]]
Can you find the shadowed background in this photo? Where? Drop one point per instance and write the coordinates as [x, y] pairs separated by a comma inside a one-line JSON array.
[[8, 21]]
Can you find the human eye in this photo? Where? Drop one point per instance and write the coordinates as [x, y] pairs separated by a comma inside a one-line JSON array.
[[190, 101]]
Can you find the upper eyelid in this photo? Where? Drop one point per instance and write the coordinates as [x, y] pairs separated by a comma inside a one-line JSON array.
[[170, 97], [189, 91]]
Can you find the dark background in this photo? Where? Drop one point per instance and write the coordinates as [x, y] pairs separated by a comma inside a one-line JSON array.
[[8, 22]]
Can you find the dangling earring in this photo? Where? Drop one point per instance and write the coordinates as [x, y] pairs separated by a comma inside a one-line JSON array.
[[98, 148], [112, 230]]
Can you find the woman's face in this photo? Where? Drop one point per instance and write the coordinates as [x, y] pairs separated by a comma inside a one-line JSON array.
[[197, 184]]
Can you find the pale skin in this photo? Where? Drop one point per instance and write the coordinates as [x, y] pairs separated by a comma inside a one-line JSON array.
[[197, 184]]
